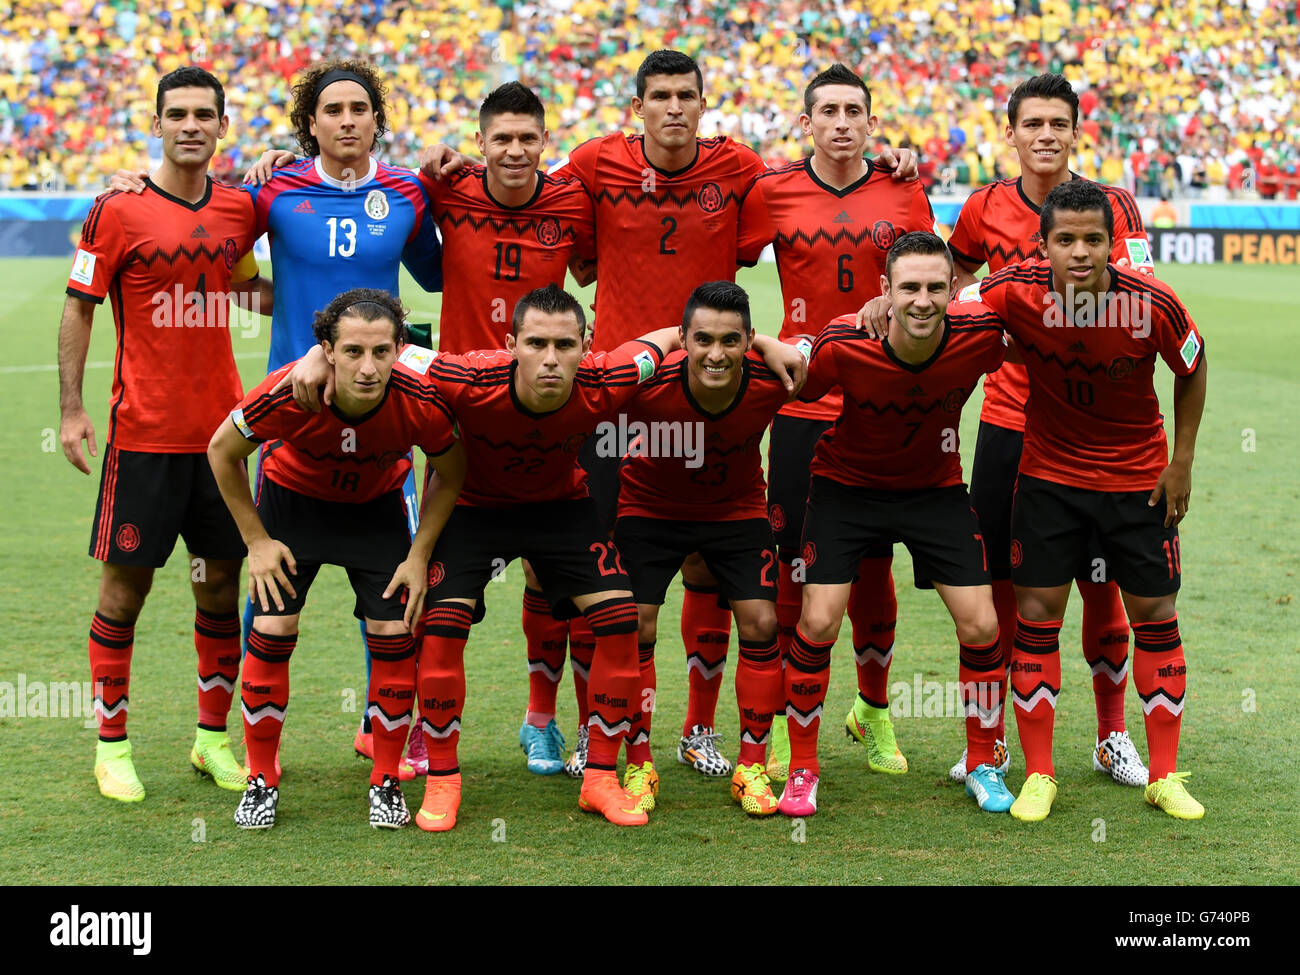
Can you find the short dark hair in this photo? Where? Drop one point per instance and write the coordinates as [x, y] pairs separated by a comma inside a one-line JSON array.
[[306, 95], [836, 74], [190, 76], [550, 300], [1044, 86], [367, 304], [1075, 196], [512, 98], [667, 62], [718, 296], [916, 242]]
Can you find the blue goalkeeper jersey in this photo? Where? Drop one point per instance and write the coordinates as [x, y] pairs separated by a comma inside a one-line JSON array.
[[328, 237]]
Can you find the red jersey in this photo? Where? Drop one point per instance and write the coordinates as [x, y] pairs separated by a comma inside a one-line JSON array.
[[495, 254], [166, 266], [830, 245], [898, 427], [334, 457], [658, 234], [516, 456], [998, 225], [1093, 419], [692, 465]]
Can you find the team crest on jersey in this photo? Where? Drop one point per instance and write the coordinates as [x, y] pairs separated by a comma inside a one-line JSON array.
[[376, 205], [388, 459], [128, 538], [969, 293], [710, 198], [437, 572], [230, 252], [1017, 553], [808, 554], [952, 402], [883, 234], [548, 232], [574, 443], [1120, 369], [776, 516]]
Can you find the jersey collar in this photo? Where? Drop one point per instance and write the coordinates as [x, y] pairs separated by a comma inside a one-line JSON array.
[[640, 141], [1020, 188], [340, 184], [695, 404], [357, 420], [537, 191], [943, 342], [518, 403], [808, 166], [207, 195]]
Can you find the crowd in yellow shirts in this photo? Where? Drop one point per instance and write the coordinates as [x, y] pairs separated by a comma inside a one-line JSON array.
[[1177, 95]]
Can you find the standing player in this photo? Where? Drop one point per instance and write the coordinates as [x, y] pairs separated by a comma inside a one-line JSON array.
[[1096, 462], [173, 379], [890, 471], [696, 485], [331, 492], [998, 226], [832, 217]]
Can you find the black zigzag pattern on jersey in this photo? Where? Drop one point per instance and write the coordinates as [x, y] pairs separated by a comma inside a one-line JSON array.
[[519, 226], [838, 237], [1066, 364], [519, 447], [660, 199], [1007, 256], [748, 445], [172, 257]]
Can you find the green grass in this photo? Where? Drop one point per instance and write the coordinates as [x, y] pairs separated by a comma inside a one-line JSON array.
[[1238, 620]]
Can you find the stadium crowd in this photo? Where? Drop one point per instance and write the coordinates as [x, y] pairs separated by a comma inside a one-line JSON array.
[[1178, 98]]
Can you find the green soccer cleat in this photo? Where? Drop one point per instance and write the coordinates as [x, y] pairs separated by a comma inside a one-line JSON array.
[[872, 727], [752, 788], [211, 756], [778, 759], [1036, 798], [642, 781], [116, 772], [1171, 795]]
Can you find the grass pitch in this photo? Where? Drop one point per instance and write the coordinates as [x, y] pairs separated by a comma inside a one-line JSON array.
[[1238, 620]]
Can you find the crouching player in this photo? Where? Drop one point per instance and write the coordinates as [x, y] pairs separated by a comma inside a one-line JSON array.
[[332, 492], [889, 471], [695, 484]]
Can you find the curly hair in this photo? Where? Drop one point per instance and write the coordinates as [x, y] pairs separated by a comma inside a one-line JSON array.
[[305, 97], [367, 304]]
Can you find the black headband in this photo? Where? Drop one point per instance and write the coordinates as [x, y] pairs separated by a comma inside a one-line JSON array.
[[341, 74]]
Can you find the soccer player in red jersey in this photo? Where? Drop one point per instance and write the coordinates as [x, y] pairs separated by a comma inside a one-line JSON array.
[[832, 218], [694, 483], [165, 259], [998, 226], [890, 471], [332, 492], [1096, 463]]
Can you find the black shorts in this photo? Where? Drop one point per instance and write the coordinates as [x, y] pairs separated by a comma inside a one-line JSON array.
[[564, 541], [1053, 527], [368, 539], [740, 554], [992, 485], [790, 449], [147, 500], [602, 482], [846, 524]]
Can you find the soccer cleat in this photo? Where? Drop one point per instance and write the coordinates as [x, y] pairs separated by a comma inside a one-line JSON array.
[[642, 781], [751, 788], [544, 748], [576, 763], [441, 803], [986, 784], [1170, 794], [1001, 759], [800, 795], [364, 744], [699, 750], [211, 756], [1036, 798], [257, 808], [876, 733], [416, 760], [778, 758], [602, 794], [116, 772], [387, 807], [1117, 757]]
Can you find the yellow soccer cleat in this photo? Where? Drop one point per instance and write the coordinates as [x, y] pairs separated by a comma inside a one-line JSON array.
[[211, 756], [872, 727], [642, 781], [1171, 795], [778, 758], [752, 788], [1036, 798], [116, 772]]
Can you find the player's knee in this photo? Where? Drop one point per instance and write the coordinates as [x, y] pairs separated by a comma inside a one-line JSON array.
[[276, 625], [819, 623], [1157, 609], [647, 627], [216, 584], [979, 629], [757, 624], [122, 592]]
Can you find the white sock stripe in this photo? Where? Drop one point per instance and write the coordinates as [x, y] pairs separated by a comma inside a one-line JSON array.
[[263, 711], [612, 731], [376, 713], [553, 674], [112, 712], [1116, 676], [434, 732], [215, 681], [1162, 700], [749, 739], [708, 673], [872, 652], [793, 714], [1031, 702], [581, 671]]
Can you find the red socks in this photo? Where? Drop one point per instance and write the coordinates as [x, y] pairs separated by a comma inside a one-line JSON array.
[[392, 692], [582, 649], [983, 687], [547, 639], [789, 604], [807, 672], [1105, 647], [1005, 605], [216, 638], [1160, 675], [873, 611], [1035, 685], [706, 632], [615, 680], [638, 740], [110, 674], [759, 693], [265, 699], [441, 681]]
